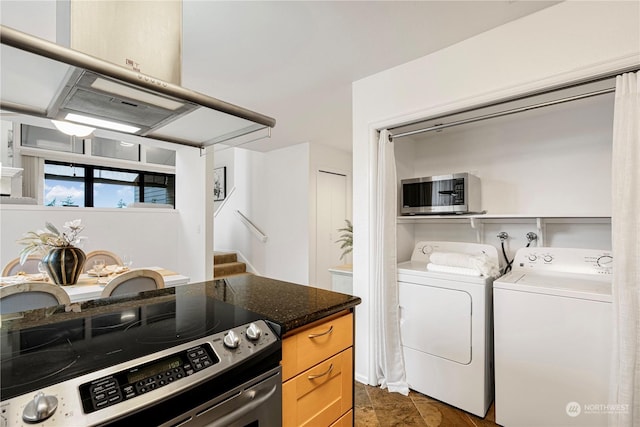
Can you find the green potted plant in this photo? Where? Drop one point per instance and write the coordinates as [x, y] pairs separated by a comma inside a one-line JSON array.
[[346, 238]]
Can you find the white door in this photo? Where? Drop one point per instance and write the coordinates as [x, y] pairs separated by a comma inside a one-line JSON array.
[[331, 212], [436, 321]]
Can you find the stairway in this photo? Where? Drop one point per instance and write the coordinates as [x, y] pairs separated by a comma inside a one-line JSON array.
[[226, 264]]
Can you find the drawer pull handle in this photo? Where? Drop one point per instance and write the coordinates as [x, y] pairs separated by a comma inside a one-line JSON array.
[[321, 334], [328, 371]]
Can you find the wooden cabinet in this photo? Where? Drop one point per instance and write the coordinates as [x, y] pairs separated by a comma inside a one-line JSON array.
[[345, 421], [317, 370]]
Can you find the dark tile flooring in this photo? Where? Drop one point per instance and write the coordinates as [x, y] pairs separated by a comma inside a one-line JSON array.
[[378, 408]]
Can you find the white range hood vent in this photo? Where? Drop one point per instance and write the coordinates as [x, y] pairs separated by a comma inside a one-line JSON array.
[[91, 95], [43, 79]]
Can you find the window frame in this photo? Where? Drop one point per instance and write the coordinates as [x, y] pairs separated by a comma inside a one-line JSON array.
[[89, 179]]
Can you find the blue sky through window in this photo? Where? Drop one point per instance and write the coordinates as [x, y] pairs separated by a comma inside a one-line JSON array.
[[112, 195], [61, 192]]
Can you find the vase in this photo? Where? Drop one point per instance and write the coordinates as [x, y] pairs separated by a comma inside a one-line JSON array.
[[64, 264]]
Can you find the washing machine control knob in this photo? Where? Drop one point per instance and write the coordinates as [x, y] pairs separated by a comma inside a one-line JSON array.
[[427, 249], [532, 257], [547, 258], [605, 261]]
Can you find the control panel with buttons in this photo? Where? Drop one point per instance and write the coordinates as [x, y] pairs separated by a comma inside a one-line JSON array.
[[133, 382], [581, 261], [222, 350]]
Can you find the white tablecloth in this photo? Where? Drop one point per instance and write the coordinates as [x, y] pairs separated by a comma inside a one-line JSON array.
[[88, 287]]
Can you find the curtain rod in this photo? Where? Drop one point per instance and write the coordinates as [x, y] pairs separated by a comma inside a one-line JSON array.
[[502, 113]]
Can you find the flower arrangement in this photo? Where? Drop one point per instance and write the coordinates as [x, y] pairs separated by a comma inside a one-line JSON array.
[[346, 238], [42, 241]]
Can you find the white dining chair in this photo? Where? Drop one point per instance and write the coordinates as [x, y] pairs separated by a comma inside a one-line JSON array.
[[133, 281], [109, 259], [31, 295], [14, 267]]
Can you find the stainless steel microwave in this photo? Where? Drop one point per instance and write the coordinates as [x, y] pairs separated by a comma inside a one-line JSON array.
[[443, 194]]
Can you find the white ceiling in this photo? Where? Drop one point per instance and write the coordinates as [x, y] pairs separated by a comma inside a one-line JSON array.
[[295, 61]]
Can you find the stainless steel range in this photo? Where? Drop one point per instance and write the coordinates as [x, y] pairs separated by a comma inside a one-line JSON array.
[[187, 359]]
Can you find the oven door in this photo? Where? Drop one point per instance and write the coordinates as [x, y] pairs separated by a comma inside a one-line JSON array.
[[257, 403], [247, 397]]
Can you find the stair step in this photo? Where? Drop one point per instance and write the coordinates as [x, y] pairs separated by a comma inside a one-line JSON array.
[[224, 257], [233, 275], [228, 268]]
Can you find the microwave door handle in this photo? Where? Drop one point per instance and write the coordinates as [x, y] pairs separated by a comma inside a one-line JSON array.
[[447, 192]]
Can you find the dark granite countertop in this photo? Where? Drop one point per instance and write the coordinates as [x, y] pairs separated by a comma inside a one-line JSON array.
[[287, 304]]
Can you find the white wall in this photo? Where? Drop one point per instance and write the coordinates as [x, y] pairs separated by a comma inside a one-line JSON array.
[[123, 231], [533, 162], [194, 202], [272, 191], [286, 203], [566, 42], [277, 191], [37, 17]]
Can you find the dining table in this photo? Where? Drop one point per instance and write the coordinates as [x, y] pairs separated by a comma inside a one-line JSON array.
[[90, 286]]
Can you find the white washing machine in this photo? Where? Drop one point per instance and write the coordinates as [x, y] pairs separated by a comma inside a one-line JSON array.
[[553, 332], [445, 324]]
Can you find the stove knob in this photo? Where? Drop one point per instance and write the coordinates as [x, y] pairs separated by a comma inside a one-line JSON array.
[[253, 332], [231, 340], [40, 408]]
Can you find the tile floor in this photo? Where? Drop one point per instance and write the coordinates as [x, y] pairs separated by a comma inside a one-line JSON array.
[[378, 408]]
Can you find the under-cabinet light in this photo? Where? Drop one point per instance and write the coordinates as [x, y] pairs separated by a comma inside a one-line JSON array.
[[72, 128], [101, 123]]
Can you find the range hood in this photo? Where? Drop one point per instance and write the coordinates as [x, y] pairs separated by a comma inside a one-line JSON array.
[[43, 79]]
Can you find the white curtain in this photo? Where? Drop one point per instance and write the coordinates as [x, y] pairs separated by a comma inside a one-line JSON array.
[[388, 358], [625, 220]]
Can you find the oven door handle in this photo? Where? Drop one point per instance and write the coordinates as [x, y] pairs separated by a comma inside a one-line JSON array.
[[245, 408]]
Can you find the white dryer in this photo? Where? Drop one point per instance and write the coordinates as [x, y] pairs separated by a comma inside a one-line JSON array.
[[553, 326], [445, 325]]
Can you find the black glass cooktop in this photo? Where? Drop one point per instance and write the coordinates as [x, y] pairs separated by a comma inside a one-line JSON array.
[[78, 343]]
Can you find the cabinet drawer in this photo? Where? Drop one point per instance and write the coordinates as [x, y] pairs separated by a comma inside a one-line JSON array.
[[311, 346], [345, 421], [320, 395]]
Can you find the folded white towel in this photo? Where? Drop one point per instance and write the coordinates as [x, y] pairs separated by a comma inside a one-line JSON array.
[[452, 259], [453, 270], [480, 263]]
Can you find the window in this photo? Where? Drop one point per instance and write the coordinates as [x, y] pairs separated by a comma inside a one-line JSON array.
[[64, 185], [95, 186], [54, 140], [51, 139], [161, 156], [103, 147]]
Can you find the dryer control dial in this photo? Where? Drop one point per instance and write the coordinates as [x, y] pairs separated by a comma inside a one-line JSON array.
[[547, 258], [532, 257]]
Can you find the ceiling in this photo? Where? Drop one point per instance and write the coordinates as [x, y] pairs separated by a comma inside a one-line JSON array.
[[295, 61]]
